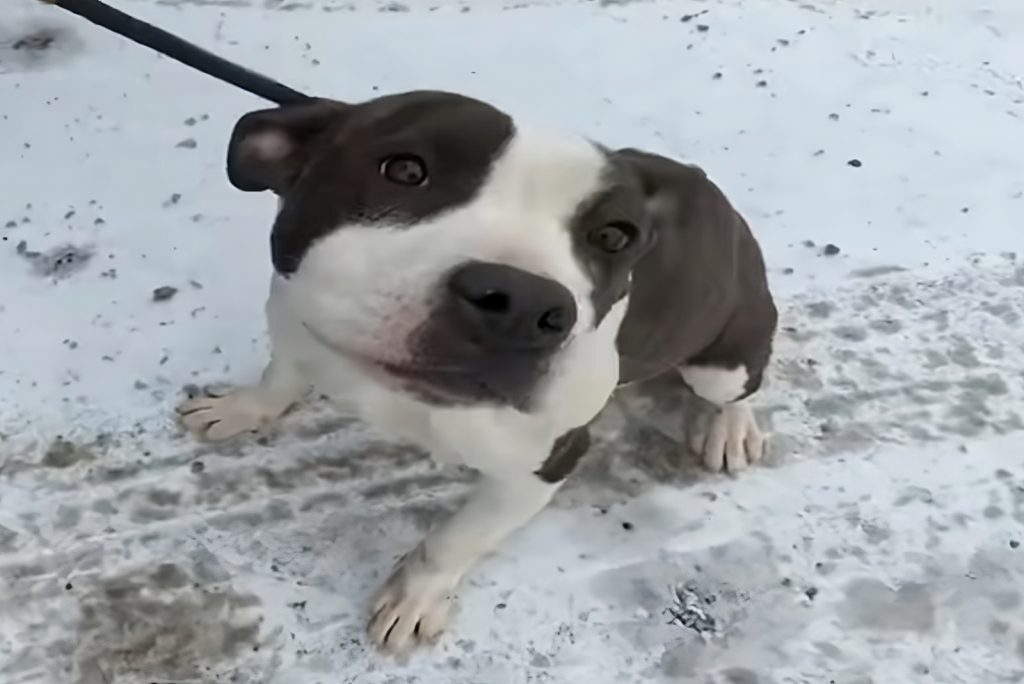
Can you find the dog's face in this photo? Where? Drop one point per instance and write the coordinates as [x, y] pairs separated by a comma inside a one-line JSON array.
[[431, 240]]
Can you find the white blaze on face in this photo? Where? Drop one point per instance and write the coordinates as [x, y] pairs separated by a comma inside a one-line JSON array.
[[366, 287], [526, 206]]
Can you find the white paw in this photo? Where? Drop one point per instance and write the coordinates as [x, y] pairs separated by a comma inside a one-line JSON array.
[[413, 606], [220, 418], [728, 439]]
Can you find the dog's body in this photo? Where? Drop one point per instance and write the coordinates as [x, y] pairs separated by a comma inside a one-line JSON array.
[[481, 288]]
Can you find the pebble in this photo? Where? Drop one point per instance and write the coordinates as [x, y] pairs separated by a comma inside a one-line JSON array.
[[163, 293]]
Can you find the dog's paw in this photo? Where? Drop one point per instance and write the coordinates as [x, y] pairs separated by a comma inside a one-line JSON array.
[[413, 606], [729, 439], [218, 418]]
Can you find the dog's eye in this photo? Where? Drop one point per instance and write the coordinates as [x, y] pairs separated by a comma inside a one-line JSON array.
[[404, 169], [613, 237]]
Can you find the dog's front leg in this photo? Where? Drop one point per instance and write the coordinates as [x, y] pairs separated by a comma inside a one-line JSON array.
[[251, 407], [728, 437], [245, 408], [414, 604]]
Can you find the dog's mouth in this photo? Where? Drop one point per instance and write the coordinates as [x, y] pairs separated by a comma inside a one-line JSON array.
[[463, 379], [436, 383], [368, 360]]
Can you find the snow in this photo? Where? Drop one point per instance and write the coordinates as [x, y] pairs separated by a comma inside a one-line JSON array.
[[882, 544]]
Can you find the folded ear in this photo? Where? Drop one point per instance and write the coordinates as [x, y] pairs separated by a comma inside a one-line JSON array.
[[269, 148], [720, 313], [673, 189], [704, 256]]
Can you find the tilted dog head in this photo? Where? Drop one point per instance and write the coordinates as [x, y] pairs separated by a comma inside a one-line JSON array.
[[429, 237]]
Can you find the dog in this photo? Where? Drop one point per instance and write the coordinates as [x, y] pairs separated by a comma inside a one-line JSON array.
[[480, 286]]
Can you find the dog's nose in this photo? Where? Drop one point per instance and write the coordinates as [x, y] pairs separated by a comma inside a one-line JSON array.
[[506, 309]]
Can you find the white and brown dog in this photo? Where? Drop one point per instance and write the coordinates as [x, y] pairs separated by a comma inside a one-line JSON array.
[[481, 288]]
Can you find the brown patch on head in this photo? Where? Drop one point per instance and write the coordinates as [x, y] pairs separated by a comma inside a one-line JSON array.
[[611, 233], [398, 159]]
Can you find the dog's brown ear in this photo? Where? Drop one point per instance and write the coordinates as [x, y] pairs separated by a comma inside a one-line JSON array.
[[270, 147], [673, 189], [708, 257], [684, 205]]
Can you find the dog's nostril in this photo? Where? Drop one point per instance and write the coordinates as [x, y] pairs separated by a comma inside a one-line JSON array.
[[493, 301], [504, 309], [554, 321]]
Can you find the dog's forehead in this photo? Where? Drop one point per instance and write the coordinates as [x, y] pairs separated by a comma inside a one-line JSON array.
[[546, 170], [433, 114], [534, 159], [479, 152], [485, 173]]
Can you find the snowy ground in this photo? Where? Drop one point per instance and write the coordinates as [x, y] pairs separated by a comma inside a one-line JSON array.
[[882, 545]]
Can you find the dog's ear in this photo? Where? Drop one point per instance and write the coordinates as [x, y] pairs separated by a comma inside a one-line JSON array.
[[697, 233], [269, 148], [690, 215], [673, 190]]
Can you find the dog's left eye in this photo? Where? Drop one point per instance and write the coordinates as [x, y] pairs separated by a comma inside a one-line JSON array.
[[613, 237], [404, 169]]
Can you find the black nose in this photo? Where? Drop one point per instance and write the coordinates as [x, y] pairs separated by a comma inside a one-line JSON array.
[[505, 309]]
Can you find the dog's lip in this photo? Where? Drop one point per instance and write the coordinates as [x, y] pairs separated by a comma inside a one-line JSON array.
[[428, 380], [399, 369]]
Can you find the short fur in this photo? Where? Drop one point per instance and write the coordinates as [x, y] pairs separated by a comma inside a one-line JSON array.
[[361, 304]]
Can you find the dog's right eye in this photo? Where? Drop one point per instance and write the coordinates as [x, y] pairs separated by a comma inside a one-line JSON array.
[[404, 169], [613, 237]]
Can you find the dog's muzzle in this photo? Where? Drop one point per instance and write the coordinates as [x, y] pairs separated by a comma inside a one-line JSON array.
[[495, 330]]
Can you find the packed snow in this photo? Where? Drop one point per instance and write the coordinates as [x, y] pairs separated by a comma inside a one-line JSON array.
[[876, 148]]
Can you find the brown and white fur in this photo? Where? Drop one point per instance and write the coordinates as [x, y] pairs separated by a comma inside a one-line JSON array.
[[481, 287]]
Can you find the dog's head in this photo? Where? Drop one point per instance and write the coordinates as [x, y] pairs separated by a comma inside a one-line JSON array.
[[430, 239]]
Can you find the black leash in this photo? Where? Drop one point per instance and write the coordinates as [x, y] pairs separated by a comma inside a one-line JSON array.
[[183, 51]]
